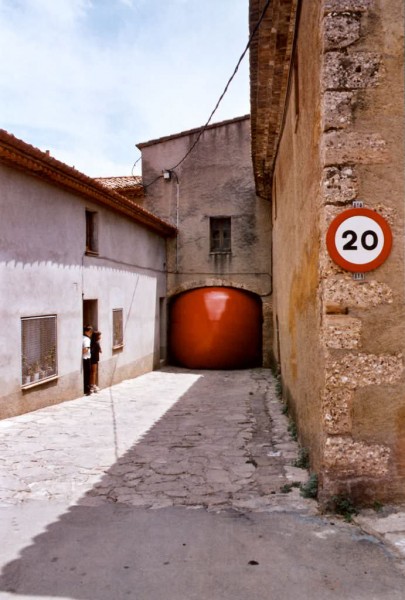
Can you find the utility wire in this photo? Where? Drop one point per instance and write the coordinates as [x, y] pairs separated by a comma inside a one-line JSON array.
[[204, 127], [134, 165]]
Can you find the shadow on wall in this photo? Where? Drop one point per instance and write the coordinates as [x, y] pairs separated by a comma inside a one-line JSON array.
[[215, 328]]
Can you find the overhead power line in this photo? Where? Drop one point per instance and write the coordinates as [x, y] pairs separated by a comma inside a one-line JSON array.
[[204, 127]]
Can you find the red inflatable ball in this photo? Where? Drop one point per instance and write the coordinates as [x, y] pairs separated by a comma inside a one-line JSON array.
[[216, 328]]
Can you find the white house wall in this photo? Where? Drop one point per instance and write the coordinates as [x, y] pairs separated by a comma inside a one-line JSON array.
[[44, 271]]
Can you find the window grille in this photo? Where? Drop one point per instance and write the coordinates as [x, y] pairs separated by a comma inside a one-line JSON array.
[[118, 328], [220, 234], [38, 343], [91, 232]]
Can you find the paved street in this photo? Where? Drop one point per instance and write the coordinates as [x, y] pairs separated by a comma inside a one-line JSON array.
[[174, 485], [168, 438]]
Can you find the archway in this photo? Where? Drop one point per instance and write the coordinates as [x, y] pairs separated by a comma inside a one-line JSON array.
[[215, 328]]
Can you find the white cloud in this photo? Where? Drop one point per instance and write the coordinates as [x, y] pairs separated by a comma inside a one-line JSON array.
[[88, 80]]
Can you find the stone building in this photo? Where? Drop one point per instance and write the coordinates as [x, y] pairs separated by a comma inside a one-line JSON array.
[[206, 193], [327, 116], [72, 253]]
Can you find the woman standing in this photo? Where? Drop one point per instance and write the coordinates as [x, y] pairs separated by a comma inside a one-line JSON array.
[[86, 345], [94, 358]]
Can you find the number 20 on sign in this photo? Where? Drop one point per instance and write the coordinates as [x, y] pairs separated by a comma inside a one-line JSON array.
[[359, 240]]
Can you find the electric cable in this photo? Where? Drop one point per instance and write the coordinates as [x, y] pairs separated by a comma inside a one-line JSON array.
[[204, 127], [134, 165]]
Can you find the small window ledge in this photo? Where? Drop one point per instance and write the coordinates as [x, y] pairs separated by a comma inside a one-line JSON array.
[[118, 347], [91, 253], [32, 384]]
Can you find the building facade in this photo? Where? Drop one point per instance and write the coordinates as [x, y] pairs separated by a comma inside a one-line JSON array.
[[327, 84], [72, 253], [208, 194]]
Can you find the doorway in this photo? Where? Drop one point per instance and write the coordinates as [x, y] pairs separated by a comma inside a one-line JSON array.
[[90, 313]]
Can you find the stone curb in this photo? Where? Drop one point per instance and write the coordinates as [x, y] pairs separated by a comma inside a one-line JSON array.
[[388, 526]]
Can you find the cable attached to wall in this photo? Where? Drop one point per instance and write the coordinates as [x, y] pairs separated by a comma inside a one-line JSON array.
[[204, 127]]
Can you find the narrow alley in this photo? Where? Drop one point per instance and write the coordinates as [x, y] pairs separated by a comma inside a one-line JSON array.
[[178, 485]]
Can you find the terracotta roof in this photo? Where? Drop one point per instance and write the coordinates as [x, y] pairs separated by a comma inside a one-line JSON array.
[[191, 131], [122, 182], [270, 57], [32, 161], [129, 186]]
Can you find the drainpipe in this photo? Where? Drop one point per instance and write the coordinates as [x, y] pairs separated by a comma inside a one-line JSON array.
[[167, 176], [177, 221]]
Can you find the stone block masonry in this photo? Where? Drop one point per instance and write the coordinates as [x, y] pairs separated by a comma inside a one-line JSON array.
[[353, 145]]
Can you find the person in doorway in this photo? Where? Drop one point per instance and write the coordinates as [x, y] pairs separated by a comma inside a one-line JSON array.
[[95, 349], [86, 355]]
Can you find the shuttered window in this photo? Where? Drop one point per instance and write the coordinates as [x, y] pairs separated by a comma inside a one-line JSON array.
[[38, 343], [118, 328], [91, 232], [220, 234]]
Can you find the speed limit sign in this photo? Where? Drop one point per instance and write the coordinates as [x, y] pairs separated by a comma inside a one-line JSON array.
[[359, 240]]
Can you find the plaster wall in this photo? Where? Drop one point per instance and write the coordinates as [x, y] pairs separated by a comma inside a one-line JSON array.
[[296, 239], [44, 271], [215, 180]]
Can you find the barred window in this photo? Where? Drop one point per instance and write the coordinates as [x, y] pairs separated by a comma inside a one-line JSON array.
[[220, 234], [38, 343], [118, 328]]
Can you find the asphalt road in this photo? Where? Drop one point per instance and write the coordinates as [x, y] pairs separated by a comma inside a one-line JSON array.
[[115, 552]]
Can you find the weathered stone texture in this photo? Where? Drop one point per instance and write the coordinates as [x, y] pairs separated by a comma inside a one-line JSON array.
[[350, 459], [336, 407], [204, 281], [338, 107], [348, 5], [354, 92], [341, 332], [358, 370], [339, 185], [327, 267], [365, 148], [351, 71], [341, 30], [365, 295], [389, 213]]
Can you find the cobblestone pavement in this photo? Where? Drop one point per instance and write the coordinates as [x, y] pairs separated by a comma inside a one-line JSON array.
[[215, 439], [79, 480]]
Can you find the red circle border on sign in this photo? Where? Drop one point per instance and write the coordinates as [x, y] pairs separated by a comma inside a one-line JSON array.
[[342, 262]]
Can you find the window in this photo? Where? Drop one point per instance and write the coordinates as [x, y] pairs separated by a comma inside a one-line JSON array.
[[91, 232], [118, 329], [220, 234], [38, 342]]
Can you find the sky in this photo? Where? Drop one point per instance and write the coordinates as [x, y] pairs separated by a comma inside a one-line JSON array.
[[89, 79]]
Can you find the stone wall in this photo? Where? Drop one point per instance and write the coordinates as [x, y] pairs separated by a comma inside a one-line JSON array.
[[215, 180], [328, 134], [362, 321]]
